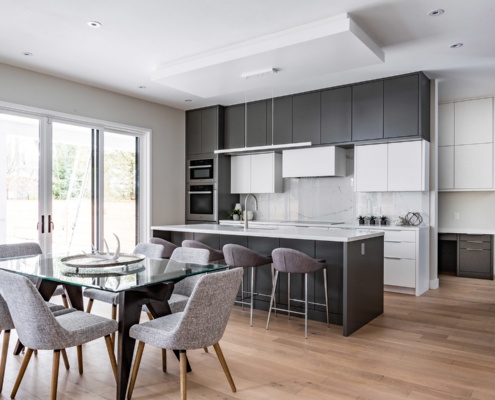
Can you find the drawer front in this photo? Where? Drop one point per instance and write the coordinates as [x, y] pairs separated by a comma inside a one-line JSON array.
[[399, 272], [475, 245], [478, 238], [400, 236], [475, 261], [400, 250]]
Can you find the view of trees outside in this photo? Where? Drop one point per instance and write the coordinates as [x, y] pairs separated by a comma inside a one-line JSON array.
[[71, 185]]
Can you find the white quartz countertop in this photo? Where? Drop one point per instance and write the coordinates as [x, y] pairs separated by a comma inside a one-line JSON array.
[[320, 224], [470, 231], [329, 235]]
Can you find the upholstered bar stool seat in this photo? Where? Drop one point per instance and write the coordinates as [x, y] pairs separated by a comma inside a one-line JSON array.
[[239, 256], [6, 325], [215, 255], [291, 261], [168, 247]]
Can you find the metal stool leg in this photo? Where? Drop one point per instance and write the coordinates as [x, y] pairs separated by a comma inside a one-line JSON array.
[[288, 295], [326, 292], [305, 306], [272, 299], [252, 295]]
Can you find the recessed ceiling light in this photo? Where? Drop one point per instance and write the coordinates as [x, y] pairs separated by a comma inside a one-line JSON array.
[[436, 13], [188, 100], [456, 45], [141, 87], [94, 24], [27, 54]]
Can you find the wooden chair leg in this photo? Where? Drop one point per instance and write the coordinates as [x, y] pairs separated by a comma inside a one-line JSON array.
[[89, 306], [80, 359], [183, 375], [135, 369], [205, 349], [64, 300], [221, 358], [25, 362], [3, 361], [149, 316], [111, 354], [55, 367], [114, 317], [164, 360], [66, 359]]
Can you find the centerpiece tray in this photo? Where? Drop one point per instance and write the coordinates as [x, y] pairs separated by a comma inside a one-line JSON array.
[[87, 261]]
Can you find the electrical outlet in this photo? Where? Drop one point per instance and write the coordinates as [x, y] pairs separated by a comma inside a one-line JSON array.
[[456, 216]]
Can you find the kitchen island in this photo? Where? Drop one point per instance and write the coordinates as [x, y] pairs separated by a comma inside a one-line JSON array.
[[354, 266]]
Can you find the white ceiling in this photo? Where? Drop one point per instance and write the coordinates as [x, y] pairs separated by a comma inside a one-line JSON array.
[[138, 38]]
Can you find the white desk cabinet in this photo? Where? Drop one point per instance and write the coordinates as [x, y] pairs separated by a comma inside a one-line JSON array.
[[473, 166], [256, 173], [392, 167], [473, 122]]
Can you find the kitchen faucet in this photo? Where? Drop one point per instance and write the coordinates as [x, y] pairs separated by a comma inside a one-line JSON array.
[[246, 211]]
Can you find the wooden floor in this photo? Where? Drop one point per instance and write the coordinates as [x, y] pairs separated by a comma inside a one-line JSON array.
[[437, 346]]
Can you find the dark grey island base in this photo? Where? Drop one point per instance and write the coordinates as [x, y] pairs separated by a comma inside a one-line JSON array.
[[354, 267]]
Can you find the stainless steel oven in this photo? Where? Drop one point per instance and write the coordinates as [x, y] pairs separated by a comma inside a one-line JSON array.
[[201, 170], [201, 202]]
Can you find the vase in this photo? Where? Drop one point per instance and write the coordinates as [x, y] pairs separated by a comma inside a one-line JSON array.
[[235, 217]]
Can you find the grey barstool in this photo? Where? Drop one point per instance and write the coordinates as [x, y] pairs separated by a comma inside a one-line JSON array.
[[169, 247], [239, 256], [215, 255], [6, 325], [292, 261]]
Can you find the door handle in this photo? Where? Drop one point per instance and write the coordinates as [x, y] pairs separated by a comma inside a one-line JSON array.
[[42, 224], [51, 226]]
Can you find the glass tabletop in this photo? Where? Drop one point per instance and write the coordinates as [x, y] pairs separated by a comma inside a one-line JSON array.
[[114, 279]]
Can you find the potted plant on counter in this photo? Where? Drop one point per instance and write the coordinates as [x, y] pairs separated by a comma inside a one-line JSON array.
[[372, 220], [361, 219], [235, 214]]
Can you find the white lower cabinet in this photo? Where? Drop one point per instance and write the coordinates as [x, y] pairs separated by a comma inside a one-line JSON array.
[[406, 261]]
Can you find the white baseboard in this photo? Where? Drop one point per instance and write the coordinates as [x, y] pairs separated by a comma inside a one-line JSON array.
[[434, 283]]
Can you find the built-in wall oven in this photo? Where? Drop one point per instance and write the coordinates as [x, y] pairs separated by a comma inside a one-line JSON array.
[[201, 202], [201, 170]]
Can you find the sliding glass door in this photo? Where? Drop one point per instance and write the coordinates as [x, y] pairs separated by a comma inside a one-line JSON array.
[[68, 186]]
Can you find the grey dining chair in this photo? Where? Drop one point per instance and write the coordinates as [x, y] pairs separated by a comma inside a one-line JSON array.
[[147, 249], [240, 256], [12, 250], [169, 247], [6, 325], [291, 261], [39, 329], [215, 255], [201, 324]]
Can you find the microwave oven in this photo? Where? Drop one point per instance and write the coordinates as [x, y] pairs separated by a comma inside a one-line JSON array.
[[201, 170]]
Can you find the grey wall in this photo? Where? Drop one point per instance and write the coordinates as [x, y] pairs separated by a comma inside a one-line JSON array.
[[32, 89], [476, 210]]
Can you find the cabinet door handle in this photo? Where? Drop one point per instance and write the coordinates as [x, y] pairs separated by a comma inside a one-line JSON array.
[[393, 258], [393, 241], [203, 192], [200, 166], [468, 249], [474, 241]]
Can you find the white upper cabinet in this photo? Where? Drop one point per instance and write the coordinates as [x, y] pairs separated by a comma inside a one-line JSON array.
[[370, 168], [408, 166], [256, 173], [465, 152], [392, 167], [446, 124], [474, 121], [314, 161]]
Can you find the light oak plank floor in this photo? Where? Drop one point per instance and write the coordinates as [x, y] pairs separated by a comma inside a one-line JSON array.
[[437, 346]]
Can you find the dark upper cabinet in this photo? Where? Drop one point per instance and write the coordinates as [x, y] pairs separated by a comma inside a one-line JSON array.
[[256, 124], [367, 111], [234, 127], [306, 118], [204, 130], [193, 132], [336, 115], [281, 108], [406, 106]]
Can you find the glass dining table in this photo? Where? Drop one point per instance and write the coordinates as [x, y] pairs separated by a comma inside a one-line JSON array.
[[149, 281]]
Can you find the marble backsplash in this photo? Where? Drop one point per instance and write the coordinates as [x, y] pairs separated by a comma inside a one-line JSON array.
[[333, 199]]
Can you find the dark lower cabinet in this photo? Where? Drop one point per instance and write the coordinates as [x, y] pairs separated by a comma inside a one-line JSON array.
[[306, 118], [475, 256], [367, 111], [406, 106], [336, 115]]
